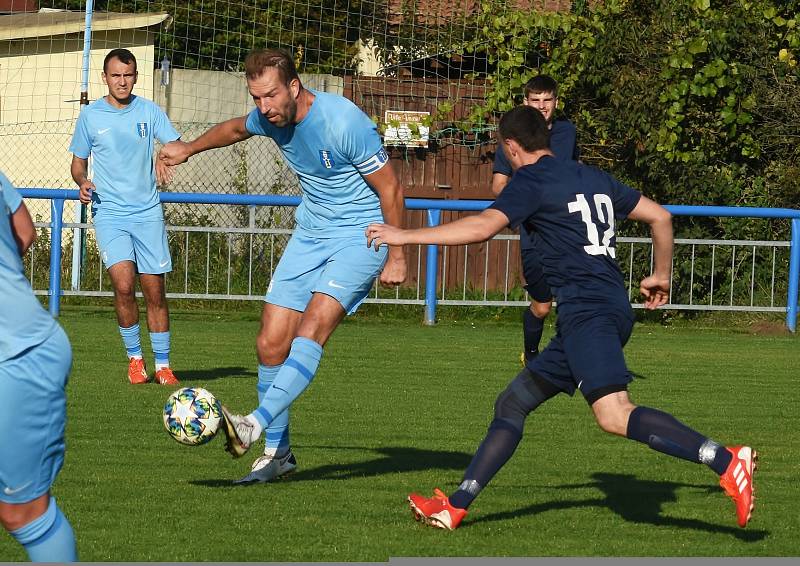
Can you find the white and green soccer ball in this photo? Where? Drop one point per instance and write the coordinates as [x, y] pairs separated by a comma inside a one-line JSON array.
[[192, 415]]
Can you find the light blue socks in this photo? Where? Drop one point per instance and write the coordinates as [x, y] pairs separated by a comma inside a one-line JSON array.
[[291, 380], [277, 433], [48, 538], [160, 343], [132, 341]]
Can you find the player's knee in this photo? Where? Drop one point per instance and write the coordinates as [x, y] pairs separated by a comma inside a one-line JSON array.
[[613, 420], [125, 290], [271, 352], [540, 310], [14, 517], [519, 399]]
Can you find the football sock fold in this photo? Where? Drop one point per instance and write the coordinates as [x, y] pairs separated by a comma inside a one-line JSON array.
[[49, 537], [131, 340], [160, 343]]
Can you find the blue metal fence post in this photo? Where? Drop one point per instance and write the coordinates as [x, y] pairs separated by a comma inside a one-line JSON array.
[[56, 223], [434, 216], [794, 276]]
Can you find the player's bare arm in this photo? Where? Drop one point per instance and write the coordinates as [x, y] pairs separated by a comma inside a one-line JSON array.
[[80, 171], [221, 135], [22, 228], [467, 230], [655, 288], [387, 186], [499, 182]]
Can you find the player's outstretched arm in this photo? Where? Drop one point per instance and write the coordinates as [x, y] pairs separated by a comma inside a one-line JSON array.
[[655, 287], [385, 183], [23, 229], [467, 230], [221, 135]]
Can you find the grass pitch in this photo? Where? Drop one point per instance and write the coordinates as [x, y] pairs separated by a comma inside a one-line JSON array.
[[397, 407]]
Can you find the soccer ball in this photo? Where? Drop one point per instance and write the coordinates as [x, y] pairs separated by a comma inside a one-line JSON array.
[[192, 415]]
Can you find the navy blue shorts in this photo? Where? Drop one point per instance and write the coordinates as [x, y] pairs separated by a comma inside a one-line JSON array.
[[535, 284], [586, 352]]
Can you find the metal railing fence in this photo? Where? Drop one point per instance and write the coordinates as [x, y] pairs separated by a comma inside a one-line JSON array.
[[733, 275]]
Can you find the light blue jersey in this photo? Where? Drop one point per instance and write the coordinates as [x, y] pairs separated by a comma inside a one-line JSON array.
[[330, 149], [23, 321], [122, 141]]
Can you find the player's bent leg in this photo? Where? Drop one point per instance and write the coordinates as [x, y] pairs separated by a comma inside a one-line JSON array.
[[662, 432], [41, 528], [298, 370], [522, 396]]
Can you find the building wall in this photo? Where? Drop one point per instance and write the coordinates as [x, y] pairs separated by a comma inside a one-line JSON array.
[[40, 84]]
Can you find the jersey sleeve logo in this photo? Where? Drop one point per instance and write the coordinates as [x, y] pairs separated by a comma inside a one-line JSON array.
[[141, 127], [326, 158], [374, 163]]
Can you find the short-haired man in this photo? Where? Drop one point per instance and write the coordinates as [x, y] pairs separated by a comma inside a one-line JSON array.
[[35, 359], [119, 132], [570, 210], [541, 92], [325, 271]]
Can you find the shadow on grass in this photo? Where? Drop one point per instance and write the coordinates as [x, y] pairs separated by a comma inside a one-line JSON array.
[[635, 500], [215, 373], [390, 461]]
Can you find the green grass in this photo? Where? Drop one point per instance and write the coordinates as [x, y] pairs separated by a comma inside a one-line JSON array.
[[397, 407]]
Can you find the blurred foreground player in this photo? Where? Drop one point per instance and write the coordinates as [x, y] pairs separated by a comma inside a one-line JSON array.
[[35, 359]]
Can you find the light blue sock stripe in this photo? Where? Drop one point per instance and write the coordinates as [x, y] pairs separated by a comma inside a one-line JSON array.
[[36, 529], [301, 369], [131, 339], [262, 416], [51, 531], [160, 342]]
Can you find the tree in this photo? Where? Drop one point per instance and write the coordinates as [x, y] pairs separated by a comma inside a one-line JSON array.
[[692, 103]]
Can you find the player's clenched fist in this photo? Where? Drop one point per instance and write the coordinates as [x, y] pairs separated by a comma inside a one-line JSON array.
[[85, 192]]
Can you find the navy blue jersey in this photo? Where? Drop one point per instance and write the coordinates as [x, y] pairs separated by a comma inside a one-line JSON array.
[[569, 210], [562, 144]]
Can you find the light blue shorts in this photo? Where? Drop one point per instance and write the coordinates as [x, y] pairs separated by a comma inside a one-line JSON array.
[[33, 414], [343, 268], [142, 242]]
